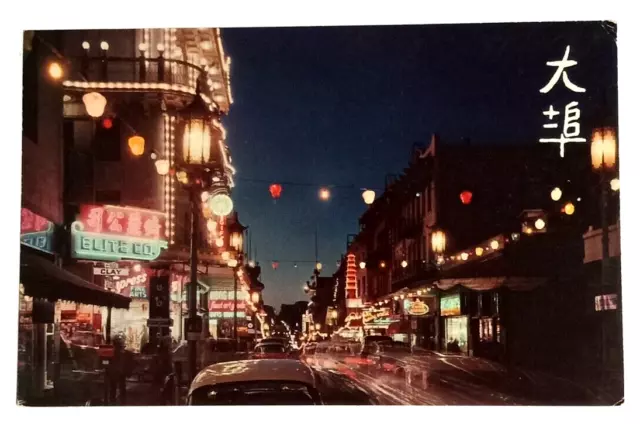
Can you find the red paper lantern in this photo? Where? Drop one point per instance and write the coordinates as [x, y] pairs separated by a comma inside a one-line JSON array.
[[465, 197], [275, 190], [107, 123], [274, 265]]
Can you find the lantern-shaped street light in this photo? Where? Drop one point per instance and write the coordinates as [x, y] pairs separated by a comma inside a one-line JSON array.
[[236, 231], [197, 155], [603, 149], [603, 161], [438, 241]]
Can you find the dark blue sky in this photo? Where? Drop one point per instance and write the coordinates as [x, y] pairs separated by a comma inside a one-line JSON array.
[[343, 105]]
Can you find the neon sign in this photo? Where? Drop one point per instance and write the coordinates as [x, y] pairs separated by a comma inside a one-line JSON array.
[[36, 231], [114, 233]]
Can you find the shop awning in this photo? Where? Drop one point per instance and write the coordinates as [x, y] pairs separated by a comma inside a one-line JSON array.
[[42, 279]]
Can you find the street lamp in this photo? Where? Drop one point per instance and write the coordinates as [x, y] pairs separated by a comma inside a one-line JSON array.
[[438, 241], [603, 161], [196, 155]]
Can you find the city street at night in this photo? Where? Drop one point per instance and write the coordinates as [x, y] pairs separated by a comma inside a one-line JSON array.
[[330, 215]]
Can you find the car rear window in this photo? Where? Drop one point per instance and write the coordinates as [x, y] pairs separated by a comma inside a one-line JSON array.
[[271, 348], [255, 393]]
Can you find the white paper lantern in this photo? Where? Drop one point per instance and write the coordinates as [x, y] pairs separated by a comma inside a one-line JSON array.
[[368, 196], [94, 103]]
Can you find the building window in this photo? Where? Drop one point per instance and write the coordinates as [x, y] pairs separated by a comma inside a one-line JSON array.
[[486, 329], [107, 141], [108, 197]]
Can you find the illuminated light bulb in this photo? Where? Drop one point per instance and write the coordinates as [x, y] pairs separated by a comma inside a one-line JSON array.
[[219, 242], [401, 296], [225, 256], [86, 45], [204, 196], [383, 264], [494, 244], [324, 194], [232, 263], [540, 224], [211, 225], [404, 264], [66, 98], [55, 70], [556, 194], [569, 208], [142, 47], [319, 266], [104, 46], [615, 184], [419, 292], [362, 265], [464, 256], [479, 251], [396, 297], [252, 264], [528, 230]]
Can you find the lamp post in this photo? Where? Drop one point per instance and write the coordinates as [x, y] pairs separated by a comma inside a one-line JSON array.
[[603, 161], [196, 155]]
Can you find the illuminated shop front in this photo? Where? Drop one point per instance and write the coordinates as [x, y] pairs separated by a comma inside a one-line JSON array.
[[222, 313], [116, 245], [421, 312], [456, 326]]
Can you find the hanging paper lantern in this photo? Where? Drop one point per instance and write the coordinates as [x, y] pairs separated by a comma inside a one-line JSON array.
[[274, 265], [368, 196], [275, 190], [94, 103], [162, 166], [324, 194], [136, 144], [465, 197]]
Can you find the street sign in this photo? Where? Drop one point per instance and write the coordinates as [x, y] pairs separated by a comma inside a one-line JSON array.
[[159, 322], [111, 271]]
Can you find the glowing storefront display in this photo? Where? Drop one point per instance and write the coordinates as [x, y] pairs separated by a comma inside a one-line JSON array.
[[113, 233], [450, 305], [457, 334]]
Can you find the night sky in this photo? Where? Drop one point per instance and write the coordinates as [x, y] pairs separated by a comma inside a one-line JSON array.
[[344, 105]]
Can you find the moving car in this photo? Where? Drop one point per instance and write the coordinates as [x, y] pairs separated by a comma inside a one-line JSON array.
[[270, 350], [274, 382]]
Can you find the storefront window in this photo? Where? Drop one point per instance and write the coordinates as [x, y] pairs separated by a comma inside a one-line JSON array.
[[456, 334]]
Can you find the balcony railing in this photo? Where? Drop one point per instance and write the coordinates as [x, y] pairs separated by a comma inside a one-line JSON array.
[[415, 269], [130, 74]]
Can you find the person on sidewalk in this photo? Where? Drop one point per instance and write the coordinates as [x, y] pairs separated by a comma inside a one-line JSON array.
[[118, 373]]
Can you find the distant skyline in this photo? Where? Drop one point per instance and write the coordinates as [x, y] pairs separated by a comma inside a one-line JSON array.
[[344, 105]]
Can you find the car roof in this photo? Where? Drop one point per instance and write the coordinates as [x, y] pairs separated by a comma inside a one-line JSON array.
[[254, 370]]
